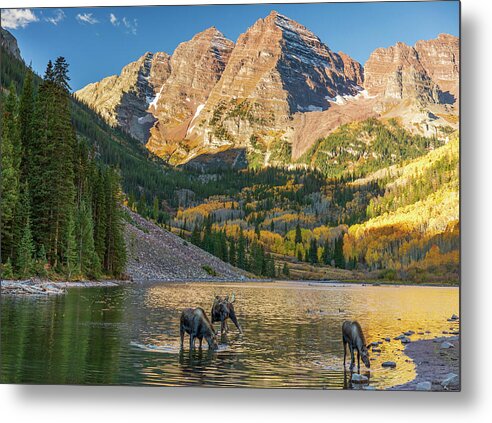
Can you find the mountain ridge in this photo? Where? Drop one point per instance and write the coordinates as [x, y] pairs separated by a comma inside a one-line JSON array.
[[279, 88]]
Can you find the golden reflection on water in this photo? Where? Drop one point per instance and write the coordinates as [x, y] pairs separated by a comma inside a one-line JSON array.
[[292, 332]]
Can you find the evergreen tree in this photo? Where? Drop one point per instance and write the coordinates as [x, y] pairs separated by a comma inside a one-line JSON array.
[[41, 262], [9, 174], [313, 251], [196, 235], [269, 266], [299, 255], [60, 74], [25, 253], [51, 178], [26, 111], [99, 213], [115, 257], [338, 253], [258, 264], [298, 238], [88, 259], [61, 165], [70, 256], [327, 253], [21, 219], [285, 270], [38, 156], [7, 271], [155, 209], [232, 252], [241, 251]]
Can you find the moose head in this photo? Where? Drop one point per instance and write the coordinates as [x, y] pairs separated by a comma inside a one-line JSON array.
[[222, 309]]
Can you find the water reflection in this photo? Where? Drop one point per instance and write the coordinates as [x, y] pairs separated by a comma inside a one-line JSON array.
[[292, 335]]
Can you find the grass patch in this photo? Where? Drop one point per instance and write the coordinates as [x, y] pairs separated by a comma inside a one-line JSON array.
[[210, 270]]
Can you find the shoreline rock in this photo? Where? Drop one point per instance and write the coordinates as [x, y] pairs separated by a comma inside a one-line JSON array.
[[434, 366]]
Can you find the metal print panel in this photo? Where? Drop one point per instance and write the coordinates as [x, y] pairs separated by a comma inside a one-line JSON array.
[[261, 196]]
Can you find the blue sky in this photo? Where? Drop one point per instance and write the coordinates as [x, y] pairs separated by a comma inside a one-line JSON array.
[[98, 42]]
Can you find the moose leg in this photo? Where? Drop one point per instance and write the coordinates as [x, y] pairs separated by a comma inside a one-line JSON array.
[[352, 358], [233, 317], [192, 342], [223, 327], [344, 351], [181, 334], [200, 339], [358, 360]]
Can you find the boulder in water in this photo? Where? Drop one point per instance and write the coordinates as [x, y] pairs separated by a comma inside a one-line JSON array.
[[390, 364], [424, 386], [445, 345], [450, 380], [357, 378]]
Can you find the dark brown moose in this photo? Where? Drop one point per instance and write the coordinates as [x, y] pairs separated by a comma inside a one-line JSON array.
[[353, 336], [222, 309], [195, 322]]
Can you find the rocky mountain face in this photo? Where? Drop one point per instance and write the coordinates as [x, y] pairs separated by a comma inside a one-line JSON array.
[[418, 85], [195, 68], [427, 72], [396, 73], [273, 93], [123, 100], [9, 43], [278, 68], [441, 59]]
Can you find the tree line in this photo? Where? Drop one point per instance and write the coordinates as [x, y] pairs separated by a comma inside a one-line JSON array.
[[61, 209], [241, 252]]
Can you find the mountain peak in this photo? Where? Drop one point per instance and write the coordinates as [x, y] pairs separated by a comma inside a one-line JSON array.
[[213, 37], [283, 22], [273, 15], [447, 37], [210, 32]]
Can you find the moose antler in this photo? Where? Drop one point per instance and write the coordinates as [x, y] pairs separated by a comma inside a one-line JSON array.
[[233, 297]]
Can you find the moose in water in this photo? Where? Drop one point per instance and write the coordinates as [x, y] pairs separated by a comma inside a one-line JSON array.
[[353, 336], [195, 322], [222, 309]]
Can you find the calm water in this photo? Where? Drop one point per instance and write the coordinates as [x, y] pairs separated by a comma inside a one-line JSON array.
[[292, 334]]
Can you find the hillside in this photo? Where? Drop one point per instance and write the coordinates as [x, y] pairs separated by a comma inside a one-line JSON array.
[[413, 227], [155, 254], [143, 174], [363, 147]]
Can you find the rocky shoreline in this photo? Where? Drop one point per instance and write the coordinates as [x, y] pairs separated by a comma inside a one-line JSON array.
[[437, 364], [40, 287]]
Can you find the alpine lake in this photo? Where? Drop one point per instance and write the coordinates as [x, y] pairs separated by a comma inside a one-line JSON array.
[[292, 334]]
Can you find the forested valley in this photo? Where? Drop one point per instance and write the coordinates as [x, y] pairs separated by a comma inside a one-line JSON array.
[[370, 199]]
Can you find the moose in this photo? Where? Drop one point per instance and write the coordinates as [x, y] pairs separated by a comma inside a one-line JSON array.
[[195, 323], [222, 309], [353, 336]]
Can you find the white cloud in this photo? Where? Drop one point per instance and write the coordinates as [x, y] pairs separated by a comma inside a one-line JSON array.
[[17, 18], [113, 19], [130, 25], [56, 18], [86, 18]]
